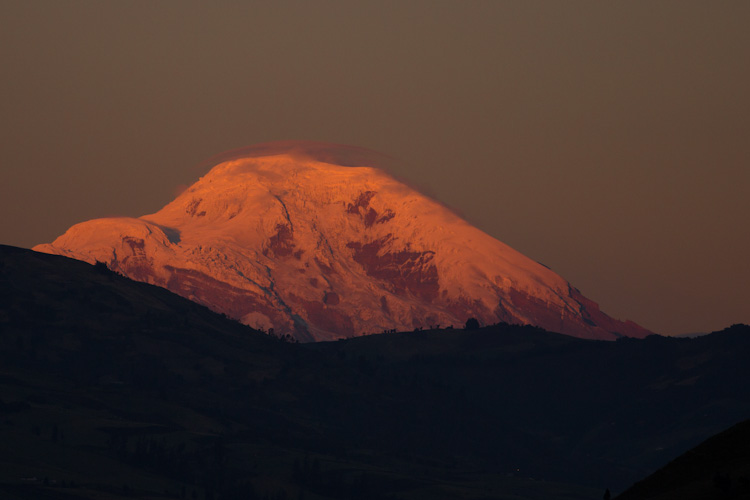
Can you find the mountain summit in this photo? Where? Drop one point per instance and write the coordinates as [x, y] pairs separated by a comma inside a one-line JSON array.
[[310, 239]]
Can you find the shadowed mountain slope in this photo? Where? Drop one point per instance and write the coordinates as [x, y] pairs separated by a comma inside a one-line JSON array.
[[111, 388], [717, 468]]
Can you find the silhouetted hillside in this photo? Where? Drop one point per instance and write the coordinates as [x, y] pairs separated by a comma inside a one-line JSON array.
[[112, 389], [717, 468]]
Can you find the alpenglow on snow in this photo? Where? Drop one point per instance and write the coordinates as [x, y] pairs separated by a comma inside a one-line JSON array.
[[313, 240]]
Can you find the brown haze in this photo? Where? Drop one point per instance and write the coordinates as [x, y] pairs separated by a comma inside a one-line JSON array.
[[607, 141]]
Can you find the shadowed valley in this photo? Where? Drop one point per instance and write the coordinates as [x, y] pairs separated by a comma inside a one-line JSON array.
[[113, 389]]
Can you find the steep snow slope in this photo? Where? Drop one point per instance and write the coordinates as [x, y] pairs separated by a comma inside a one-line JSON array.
[[279, 239]]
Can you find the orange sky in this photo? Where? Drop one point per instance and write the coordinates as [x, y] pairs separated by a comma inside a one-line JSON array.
[[607, 141]]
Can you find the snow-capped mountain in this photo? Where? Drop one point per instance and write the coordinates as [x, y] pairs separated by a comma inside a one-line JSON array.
[[312, 240]]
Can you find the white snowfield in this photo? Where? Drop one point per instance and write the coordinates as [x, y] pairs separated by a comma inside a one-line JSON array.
[[323, 251]]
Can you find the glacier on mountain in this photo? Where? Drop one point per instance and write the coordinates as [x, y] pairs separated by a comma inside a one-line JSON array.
[[305, 238]]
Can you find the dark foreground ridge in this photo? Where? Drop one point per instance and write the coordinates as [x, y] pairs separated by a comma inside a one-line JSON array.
[[717, 468], [114, 389]]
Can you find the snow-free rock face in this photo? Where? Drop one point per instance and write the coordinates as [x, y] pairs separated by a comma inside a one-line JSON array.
[[284, 236]]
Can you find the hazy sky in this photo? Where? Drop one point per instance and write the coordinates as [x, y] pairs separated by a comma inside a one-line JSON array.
[[608, 140]]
